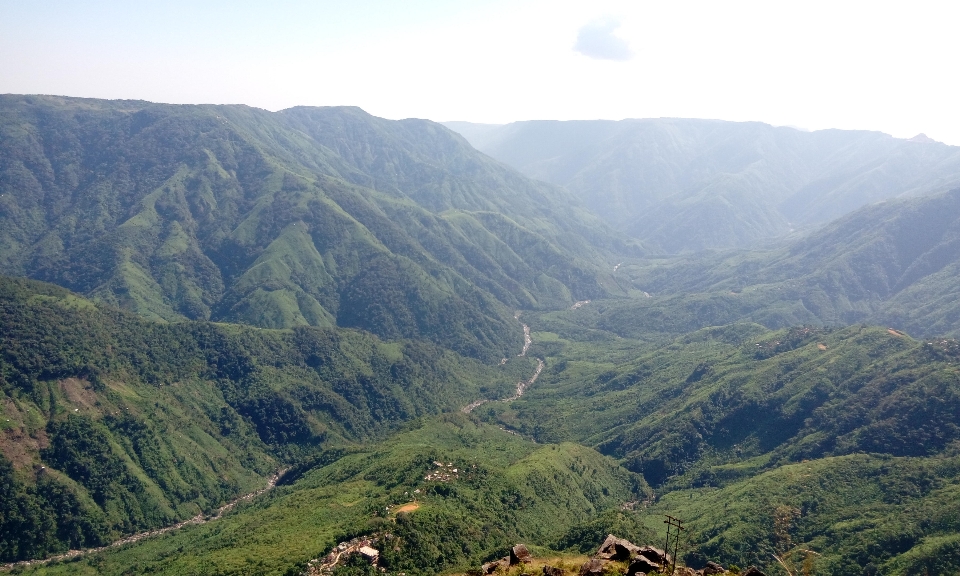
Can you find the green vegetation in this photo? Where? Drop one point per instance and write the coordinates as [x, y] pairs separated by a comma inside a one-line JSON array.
[[113, 424], [891, 264], [321, 291], [839, 441], [901, 515], [686, 185], [733, 394], [505, 489], [734, 425], [311, 216]]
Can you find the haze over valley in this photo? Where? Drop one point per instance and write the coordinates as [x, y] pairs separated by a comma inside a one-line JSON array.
[[316, 333]]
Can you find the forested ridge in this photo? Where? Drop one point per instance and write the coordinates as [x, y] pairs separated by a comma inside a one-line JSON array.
[[684, 185], [310, 216], [114, 424], [236, 292]]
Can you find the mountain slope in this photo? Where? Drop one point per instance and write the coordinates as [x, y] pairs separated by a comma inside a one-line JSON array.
[[113, 424], [894, 263], [302, 217], [504, 489], [729, 394], [858, 514], [688, 185], [843, 442]]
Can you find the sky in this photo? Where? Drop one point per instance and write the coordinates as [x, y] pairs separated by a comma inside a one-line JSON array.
[[887, 66]]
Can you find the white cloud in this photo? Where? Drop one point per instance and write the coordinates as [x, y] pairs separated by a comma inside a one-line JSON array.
[[597, 40]]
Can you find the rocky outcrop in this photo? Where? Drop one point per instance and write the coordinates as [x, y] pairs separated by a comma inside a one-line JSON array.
[[614, 548], [642, 565], [752, 571], [494, 565], [655, 555], [712, 568], [640, 561], [592, 567], [519, 553]]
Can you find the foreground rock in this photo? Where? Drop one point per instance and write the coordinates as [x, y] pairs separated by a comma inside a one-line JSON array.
[[518, 554], [593, 567], [493, 566], [642, 565], [614, 548], [641, 560], [712, 568], [655, 555]]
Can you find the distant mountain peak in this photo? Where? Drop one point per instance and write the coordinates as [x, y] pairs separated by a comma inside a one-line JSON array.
[[921, 137]]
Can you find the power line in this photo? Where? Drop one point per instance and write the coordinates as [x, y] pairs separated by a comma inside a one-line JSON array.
[[674, 527]]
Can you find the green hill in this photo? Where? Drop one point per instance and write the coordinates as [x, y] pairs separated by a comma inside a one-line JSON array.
[[843, 442], [113, 424], [894, 263], [858, 513], [504, 490], [235, 292], [317, 217], [687, 185], [738, 428], [735, 393]]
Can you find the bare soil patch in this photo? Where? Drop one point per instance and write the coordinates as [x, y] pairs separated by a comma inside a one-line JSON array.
[[78, 392]]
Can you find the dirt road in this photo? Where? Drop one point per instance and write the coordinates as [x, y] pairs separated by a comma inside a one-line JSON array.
[[198, 519]]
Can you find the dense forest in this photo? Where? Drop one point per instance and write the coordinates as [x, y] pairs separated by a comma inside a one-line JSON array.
[[114, 424], [315, 217], [276, 335]]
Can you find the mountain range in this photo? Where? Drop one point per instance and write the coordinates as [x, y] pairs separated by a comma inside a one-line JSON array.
[[892, 263], [685, 185], [314, 217], [276, 335]]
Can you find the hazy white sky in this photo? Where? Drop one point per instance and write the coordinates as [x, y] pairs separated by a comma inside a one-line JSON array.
[[868, 65]]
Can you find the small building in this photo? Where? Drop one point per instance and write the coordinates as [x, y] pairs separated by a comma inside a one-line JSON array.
[[371, 554]]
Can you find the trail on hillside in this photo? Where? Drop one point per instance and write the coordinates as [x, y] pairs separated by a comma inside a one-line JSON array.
[[196, 520], [527, 340], [522, 385]]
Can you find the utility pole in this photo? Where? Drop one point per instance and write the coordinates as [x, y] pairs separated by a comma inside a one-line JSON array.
[[674, 527]]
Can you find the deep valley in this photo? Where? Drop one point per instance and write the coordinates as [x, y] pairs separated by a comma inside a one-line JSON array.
[[234, 339]]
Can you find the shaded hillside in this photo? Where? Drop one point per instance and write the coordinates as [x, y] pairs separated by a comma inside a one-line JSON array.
[[113, 424], [688, 185], [504, 489], [758, 439], [860, 514], [726, 395], [762, 432], [304, 217], [895, 263]]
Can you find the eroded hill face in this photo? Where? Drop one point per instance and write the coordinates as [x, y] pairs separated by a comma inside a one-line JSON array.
[[316, 217]]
